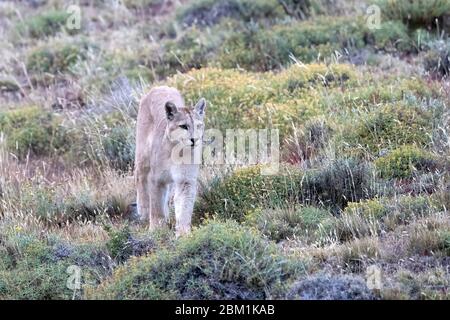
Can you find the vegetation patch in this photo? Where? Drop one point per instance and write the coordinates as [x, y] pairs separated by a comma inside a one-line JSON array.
[[404, 162], [209, 12], [290, 223], [55, 59], [33, 130], [46, 24], [218, 261], [246, 189]]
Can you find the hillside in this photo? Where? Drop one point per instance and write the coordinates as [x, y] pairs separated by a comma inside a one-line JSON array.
[[357, 210]]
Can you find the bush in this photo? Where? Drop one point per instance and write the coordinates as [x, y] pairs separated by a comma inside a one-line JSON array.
[[119, 147], [415, 12], [246, 189], [437, 59], [45, 24], [308, 141], [142, 4], [119, 244], [209, 12], [193, 50], [307, 41], [34, 268], [404, 162], [111, 140], [340, 182], [304, 223], [8, 85], [373, 216], [273, 47], [301, 9], [238, 99], [34, 130], [389, 127], [391, 36], [55, 59], [217, 261], [331, 287]]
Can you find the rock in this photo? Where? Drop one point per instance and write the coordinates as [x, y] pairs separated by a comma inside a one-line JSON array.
[[331, 287]]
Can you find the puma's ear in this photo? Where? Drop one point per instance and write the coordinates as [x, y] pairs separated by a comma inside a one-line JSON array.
[[200, 106], [171, 110]]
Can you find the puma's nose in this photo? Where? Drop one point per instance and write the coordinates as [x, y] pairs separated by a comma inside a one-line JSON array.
[[193, 141]]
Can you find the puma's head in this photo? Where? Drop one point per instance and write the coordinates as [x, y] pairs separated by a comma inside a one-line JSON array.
[[185, 125]]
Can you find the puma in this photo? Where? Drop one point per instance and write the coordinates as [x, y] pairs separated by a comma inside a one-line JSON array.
[[164, 127]]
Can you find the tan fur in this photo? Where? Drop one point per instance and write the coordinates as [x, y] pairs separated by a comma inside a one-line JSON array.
[[156, 172]]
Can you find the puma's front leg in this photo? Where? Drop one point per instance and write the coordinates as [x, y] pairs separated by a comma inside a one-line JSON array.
[[143, 196], [158, 204], [184, 205]]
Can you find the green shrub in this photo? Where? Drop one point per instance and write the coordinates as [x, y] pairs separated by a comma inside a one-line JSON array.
[[273, 47], [302, 9], [217, 261], [46, 24], [32, 130], [389, 127], [110, 139], [8, 85], [437, 59], [193, 50], [35, 282], [119, 147], [415, 12], [38, 269], [55, 59], [119, 244], [374, 216], [445, 242], [391, 36], [209, 12], [261, 49], [239, 99], [304, 223], [142, 4], [246, 189], [404, 162], [338, 183]]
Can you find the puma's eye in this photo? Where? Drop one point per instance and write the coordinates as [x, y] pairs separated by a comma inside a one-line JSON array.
[[184, 126]]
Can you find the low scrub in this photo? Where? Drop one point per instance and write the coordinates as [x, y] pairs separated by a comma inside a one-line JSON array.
[[306, 223], [33, 130], [209, 12], [217, 261], [39, 269], [246, 189], [374, 216], [46, 24], [404, 162], [415, 12], [389, 127], [54, 59]]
